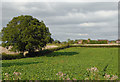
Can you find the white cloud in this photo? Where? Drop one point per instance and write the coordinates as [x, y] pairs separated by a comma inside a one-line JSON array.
[[83, 34], [26, 9], [81, 17], [106, 13], [93, 15], [92, 24]]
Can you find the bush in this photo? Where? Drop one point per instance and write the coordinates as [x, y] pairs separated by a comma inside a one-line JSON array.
[[94, 45], [11, 56], [98, 42], [33, 54], [46, 51]]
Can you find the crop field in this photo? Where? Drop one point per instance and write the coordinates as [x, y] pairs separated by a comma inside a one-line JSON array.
[[73, 63]]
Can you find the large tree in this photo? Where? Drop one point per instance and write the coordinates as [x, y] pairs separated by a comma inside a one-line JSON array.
[[25, 33]]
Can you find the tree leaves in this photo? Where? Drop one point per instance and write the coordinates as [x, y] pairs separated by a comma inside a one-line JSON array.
[[25, 33]]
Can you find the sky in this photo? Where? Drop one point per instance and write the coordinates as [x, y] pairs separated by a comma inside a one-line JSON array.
[[69, 20]]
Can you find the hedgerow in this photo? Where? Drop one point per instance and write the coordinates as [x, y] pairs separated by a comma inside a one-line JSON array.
[[33, 54], [46, 51]]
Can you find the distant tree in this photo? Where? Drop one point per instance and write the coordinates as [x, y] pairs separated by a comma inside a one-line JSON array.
[[56, 42], [76, 41], [64, 42], [25, 33], [84, 42], [98, 42], [89, 39], [70, 41]]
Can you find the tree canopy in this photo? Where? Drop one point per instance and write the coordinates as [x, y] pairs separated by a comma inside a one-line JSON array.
[[25, 33]]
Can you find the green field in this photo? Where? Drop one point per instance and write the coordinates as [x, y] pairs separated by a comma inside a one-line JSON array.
[[73, 62]]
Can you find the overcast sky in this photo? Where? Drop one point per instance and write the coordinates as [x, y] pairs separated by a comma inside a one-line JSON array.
[[73, 20]]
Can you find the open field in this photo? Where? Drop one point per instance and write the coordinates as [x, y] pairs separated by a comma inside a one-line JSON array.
[[72, 62]]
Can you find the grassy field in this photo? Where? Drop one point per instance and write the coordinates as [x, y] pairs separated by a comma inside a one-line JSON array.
[[70, 63]]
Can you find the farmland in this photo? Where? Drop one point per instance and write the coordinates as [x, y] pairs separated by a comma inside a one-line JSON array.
[[72, 62]]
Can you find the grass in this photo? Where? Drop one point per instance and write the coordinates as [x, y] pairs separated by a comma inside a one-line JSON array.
[[71, 61]]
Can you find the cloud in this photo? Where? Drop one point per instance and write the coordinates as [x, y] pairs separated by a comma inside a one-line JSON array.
[[80, 17], [69, 20], [107, 13], [83, 34], [92, 24]]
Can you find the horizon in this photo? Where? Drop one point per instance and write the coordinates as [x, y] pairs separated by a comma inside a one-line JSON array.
[[80, 39]]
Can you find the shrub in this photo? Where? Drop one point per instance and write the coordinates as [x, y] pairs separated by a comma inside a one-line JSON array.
[[98, 42], [11, 56], [46, 51], [80, 45]]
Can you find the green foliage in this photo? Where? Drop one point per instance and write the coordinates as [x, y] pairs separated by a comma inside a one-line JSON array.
[[76, 41], [112, 41], [64, 42], [71, 42], [94, 46], [46, 51], [73, 62], [11, 56], [25, 33], [56, 42], [98, 42], [51, 40], [89, 39], [33, 54], [84, 42]]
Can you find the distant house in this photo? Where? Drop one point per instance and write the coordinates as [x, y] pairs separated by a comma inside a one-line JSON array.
[[80, 41], [117, 41]]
